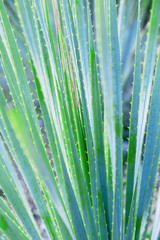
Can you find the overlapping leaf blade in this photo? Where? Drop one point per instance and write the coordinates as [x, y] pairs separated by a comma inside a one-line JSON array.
[[78, 85], [133, 126]]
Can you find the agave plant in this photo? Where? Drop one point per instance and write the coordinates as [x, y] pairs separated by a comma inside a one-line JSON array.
[[77, 74]]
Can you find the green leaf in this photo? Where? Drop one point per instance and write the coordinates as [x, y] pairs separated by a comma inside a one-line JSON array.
[[151, 154], [21, 82], [9, 228], [133, 125], [26, 169], [49, 180], [147, 78], [8, 212], [117, 99], [17, 203]]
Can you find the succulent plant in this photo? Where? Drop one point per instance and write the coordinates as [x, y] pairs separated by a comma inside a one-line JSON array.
[[73, 164]]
